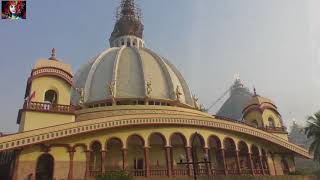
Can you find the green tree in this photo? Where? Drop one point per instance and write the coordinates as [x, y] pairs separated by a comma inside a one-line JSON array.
[[114, 175], [313, 132]]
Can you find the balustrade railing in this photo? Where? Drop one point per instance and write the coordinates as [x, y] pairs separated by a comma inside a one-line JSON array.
[[274, 129], [233, 171], [246, 171], [201, 171], [180, 172], [184, 172], [137, 172], [217, 171], [257, 171], [94, 173], [158, 172], [48, 107]]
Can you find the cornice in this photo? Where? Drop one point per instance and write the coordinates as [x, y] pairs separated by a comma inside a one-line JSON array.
[[83, 127]]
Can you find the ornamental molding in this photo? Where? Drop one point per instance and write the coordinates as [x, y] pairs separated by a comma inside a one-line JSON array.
[[47, 71], [82, 127]]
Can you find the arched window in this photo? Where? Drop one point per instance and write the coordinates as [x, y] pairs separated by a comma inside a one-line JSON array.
[[95, 158], [44, 169], [51, 97], [271, 122], [255, 123]]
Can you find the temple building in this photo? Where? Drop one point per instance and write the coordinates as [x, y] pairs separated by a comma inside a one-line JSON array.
[[131, 109]]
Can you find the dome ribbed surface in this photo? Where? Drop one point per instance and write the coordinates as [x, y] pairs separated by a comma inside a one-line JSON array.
[[130, 68]]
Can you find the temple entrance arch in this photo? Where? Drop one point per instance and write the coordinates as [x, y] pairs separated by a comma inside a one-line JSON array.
[[215, 155], [136, 155], [44, 169], [114, 154], [230, 156], [244, 159]]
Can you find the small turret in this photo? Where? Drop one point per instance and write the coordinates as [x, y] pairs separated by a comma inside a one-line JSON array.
[[48, 93], [262, 113]]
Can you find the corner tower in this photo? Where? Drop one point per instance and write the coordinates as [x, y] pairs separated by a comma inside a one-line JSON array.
[[47, 96], [262, 113]]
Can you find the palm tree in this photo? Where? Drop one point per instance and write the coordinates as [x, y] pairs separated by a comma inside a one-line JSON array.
[[313, 131]]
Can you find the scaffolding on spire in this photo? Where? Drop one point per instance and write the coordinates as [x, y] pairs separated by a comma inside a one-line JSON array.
[[128, 21], [128, 9]]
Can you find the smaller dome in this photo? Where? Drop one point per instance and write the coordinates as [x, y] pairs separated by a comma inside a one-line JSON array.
[[52, 62], [52, 67], [46, 63], [259, 103], [258, 100]]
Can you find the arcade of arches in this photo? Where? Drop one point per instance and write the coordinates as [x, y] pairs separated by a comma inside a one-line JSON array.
[[156, 154]]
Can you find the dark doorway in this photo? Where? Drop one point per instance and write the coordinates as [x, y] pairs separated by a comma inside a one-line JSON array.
[[44, 169], [140, 164], [51, 97], [138, 167]]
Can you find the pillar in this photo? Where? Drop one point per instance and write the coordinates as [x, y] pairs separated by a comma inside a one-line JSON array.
[[169, 160], [251, 163], [261, 164], [189, 160], [71, 155], [87, 174], [224, 161], [16, 165], [267, 164], [103, 161], [270, 164], [238, 162], [124, 159], [147, 161], [208, 165]]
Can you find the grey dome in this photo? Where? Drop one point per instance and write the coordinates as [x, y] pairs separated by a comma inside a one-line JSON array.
[[130, 68], [234, 105]]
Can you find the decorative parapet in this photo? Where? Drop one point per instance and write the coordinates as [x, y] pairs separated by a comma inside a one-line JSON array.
[[166, 116], [48, 107], [45, 107], [265, 128]]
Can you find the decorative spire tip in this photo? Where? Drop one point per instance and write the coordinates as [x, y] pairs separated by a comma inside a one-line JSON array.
[[254, 91], [53, 54]]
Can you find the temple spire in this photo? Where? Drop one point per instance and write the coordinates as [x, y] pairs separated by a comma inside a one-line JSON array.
[[128, 23]]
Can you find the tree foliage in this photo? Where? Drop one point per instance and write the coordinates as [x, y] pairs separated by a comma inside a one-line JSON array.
[[115, 175], [313, 131]]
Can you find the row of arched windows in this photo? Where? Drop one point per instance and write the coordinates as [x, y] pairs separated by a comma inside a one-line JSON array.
[[271, 123]]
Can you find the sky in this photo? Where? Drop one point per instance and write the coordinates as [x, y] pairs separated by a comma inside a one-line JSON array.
[[274, 46]]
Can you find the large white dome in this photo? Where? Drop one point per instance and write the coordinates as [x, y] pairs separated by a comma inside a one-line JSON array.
[[130, 68]]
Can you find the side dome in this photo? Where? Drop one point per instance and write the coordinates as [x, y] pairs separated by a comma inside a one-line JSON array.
[[131, 70], [237, 101]]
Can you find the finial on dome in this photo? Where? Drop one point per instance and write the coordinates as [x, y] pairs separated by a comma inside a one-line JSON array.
[[254, 91], [236, 76], [53, 54]]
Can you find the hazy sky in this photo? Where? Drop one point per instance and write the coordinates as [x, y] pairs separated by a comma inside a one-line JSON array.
[[274, 45]]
